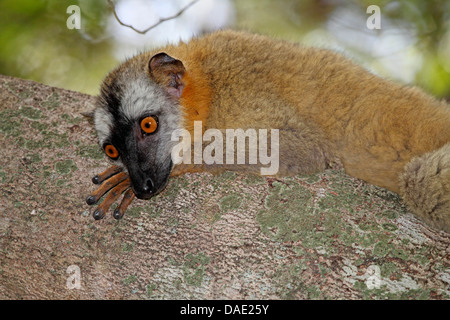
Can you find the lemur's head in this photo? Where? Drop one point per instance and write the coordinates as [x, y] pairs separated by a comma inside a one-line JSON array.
[[136, 113]]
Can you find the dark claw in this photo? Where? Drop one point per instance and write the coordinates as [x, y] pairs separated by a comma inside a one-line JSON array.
[[96, 179], [90, 200], [98, 214], [117, 214]]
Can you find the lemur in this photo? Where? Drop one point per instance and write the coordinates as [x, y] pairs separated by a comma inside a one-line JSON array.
[[324, 106]]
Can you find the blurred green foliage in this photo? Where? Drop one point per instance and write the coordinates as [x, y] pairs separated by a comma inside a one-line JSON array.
[[36, 44], [429, 20]]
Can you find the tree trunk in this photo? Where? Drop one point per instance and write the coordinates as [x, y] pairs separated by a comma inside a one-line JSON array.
[[229, 236]]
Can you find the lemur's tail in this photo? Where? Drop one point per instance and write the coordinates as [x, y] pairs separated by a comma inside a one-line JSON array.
[[425, 187]]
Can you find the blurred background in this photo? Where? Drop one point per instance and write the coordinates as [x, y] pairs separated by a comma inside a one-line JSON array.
[[412, 46]]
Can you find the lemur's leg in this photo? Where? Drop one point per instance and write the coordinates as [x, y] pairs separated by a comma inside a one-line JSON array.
[[425, 187], [300, 149]]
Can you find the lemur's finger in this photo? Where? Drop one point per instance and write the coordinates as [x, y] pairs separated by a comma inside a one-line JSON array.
[[128, 197], [112, 196], [107, 185], [108, 173]]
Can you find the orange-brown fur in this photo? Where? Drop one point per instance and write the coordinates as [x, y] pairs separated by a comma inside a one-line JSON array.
[[325, 107]]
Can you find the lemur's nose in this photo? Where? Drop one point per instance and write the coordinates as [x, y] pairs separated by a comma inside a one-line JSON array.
[[149, 186], [144, 189]]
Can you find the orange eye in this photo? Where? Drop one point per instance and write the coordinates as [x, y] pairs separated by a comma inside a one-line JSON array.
[[111, 151], [149, 124]]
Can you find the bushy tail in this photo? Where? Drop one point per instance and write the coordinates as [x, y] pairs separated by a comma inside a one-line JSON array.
[[425, 187]]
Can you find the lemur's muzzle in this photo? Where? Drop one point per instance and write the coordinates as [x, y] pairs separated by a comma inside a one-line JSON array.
[[147, 184], [143, 183]]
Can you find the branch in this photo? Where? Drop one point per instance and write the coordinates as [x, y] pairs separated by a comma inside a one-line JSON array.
[[47, 230], [161, 20]]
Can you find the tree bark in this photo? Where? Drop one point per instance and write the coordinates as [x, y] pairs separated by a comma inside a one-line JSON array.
[[229, 236]]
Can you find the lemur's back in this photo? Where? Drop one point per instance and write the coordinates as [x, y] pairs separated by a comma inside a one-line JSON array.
[[375, 126], [324, 105]]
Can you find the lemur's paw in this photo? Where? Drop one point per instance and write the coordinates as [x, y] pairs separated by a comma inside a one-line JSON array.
[[116, 182]]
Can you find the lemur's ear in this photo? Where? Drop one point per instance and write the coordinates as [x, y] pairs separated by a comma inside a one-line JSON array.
[[167, 72]]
